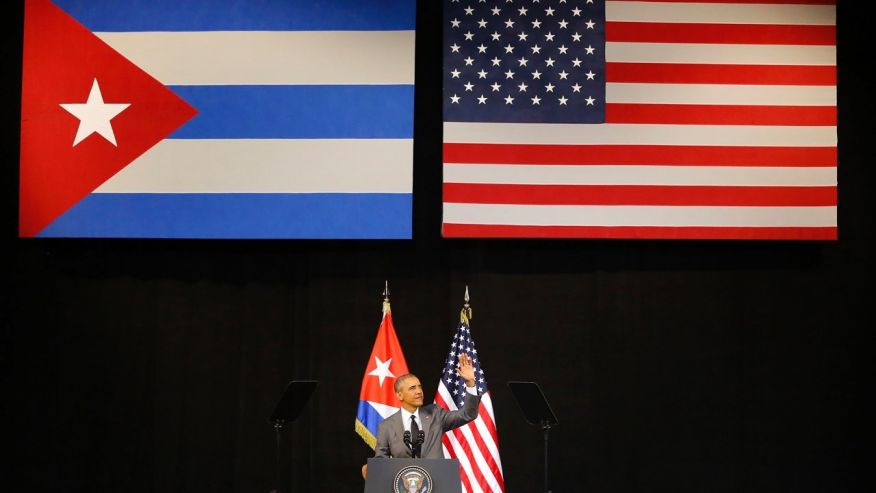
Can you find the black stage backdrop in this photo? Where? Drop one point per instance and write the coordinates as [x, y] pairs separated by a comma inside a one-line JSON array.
[[684, 366]]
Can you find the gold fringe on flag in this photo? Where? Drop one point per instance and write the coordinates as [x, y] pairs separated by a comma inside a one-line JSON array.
[[366, 435]]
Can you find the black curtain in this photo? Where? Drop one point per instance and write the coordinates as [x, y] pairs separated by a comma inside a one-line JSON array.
[[721, 366]]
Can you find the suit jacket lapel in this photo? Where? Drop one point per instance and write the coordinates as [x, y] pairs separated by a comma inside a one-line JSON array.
[[400, 427], [425, 420]]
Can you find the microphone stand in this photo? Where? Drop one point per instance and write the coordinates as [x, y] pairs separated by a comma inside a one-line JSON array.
[[416, 445], [421, 437], [407, 440]]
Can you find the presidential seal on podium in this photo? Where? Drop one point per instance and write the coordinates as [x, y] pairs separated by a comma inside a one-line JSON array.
[[412, 479]]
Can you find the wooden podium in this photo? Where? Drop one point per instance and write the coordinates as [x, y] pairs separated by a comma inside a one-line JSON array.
[[413, 476]]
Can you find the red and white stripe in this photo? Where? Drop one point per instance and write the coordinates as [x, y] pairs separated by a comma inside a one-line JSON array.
[[475, 445], [720, 123]]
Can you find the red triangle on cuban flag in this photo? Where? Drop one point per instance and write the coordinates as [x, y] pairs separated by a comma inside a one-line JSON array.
[[86, 113], [387, 362]]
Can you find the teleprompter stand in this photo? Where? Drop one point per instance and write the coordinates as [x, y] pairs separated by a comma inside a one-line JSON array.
[[537, 412], [288, 409]]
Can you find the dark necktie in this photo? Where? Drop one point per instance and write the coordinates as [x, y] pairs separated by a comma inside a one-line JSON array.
[[415, 432]]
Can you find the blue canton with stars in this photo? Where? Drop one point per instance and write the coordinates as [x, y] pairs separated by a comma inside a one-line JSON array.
[[462, 343], [524, 61]]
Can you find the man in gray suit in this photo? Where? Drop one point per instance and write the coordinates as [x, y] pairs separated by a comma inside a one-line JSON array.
[[432, 419]]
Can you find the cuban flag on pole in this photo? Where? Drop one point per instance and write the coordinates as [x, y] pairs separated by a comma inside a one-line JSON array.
[[377, 399], [217, 119]]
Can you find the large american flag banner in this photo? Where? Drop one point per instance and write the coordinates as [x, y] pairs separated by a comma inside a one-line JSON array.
[[640, 119], [475, 445]]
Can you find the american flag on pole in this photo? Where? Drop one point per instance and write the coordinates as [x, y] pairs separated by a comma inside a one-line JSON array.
[[476, 444], [640, 119], [377, 399]]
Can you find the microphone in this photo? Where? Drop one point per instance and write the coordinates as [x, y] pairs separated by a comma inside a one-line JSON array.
[[417, 448], [407, 440]]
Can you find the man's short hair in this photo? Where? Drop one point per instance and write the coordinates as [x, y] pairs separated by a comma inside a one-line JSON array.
[[398, 381]]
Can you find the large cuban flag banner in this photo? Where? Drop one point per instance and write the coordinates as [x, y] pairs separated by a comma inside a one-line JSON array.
[[217, 119]]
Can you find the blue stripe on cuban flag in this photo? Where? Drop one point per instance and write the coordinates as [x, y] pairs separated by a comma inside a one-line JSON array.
[[369, 417], [242, 15], [371, 413], [348, 111], [304, 125]]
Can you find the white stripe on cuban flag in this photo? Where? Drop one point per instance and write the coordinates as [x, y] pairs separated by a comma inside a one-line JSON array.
[[304, 126], [382, 409]]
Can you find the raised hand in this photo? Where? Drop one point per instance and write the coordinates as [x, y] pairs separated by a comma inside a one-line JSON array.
[[466, 369]]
